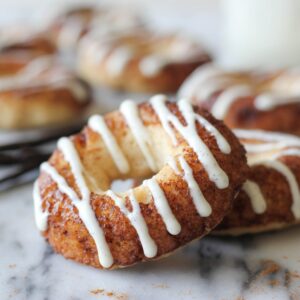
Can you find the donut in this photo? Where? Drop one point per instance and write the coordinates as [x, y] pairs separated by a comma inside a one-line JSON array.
[[68, 28], [42, 93], [270, 197], [138, 60], [194, 165], [249, 100], [16, 54]]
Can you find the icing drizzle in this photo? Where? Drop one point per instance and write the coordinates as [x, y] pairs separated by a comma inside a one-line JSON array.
[[137, 221], [97, 123], [190, 134], [208, 80], [42, 72], [130, 111], [270, 142], [120, 54]]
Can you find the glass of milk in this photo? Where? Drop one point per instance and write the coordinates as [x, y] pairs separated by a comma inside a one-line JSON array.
[[260, 34]]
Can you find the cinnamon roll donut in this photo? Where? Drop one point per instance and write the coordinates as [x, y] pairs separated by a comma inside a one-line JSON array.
[[42, 93], [270, 198], [139, 60], [249, 100], [195, 165]]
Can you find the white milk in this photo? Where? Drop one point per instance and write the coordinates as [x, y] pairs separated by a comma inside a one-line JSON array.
[[261, 33]]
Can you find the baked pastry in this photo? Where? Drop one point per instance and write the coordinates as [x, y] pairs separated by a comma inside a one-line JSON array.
[[138, 60], [196, 167], [42, 93], [17, 52], [68, 28], [249, 100], [270, 198]]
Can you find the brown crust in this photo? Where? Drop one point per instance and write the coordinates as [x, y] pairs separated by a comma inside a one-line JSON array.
[[168, 79], [243, 114], [67, 234], [275, 188]]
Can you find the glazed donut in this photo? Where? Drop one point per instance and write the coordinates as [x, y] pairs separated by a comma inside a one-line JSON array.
[[139, 60], [68, 28], [248, 100], [42, 93], [16, 54], [197, 166], [270, 198]]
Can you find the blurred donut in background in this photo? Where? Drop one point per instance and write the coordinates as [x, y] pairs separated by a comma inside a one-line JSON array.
[[42, 93], [268, 100], [18, 47], [139, 60]]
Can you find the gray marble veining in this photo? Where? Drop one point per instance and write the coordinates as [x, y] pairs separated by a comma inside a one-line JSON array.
[[266, 266]]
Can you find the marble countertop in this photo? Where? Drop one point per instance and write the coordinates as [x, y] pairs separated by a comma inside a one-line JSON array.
[[265, 266]]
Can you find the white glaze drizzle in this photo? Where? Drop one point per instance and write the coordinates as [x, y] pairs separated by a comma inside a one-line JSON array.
[[118, 60], [130, 111], [41, 72], [190, 134], [207, 80], [275, 141], [173, 164], [70, 33], [256, 196], [83, 205], [151, 65], [41, 216], [163, 206], [269, 101], [227, 98], [137, 221], [270, 142], [292, 181], [202, 206], [98, 124], [197, 81]]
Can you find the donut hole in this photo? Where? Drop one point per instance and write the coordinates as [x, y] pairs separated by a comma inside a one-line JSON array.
[[121, 186]]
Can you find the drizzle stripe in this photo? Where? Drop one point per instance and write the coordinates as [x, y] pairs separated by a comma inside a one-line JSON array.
[[130, 111], [98, 124], [137, 221], [163, 206]]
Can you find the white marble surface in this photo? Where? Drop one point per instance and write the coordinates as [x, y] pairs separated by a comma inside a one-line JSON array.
[[211, 269]]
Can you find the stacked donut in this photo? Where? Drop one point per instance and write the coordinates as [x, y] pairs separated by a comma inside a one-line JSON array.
[[263, 109]]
